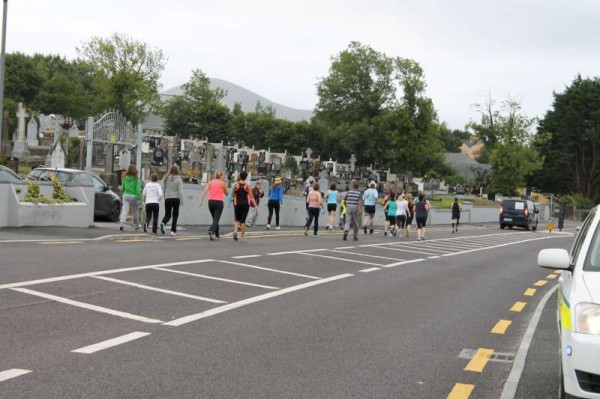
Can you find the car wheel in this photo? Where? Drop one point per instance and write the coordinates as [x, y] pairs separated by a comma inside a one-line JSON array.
[[510, 227], [115, 212]]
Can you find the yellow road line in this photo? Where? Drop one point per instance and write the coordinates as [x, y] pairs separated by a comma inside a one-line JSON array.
[[540, 283], [60, 242], [477, 364], [530, 292], [551, 276], [501, 327], [518, 306], [461, 391]]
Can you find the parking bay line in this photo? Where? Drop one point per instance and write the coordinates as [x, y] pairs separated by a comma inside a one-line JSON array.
[[368, 255], [340, 259], [150, 288], [217, 278], [269, 269], [235, 305], [404, 250], [12, 373], [100, 273], [87, 306], [372, 269], [111, 342], [246, 256]]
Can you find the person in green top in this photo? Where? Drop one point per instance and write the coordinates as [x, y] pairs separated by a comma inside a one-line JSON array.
[[132, 194]]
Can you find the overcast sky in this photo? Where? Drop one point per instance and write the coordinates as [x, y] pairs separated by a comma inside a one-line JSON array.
[[525, 49]]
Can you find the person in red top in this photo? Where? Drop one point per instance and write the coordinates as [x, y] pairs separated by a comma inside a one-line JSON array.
[[314, 203], [242, 200]]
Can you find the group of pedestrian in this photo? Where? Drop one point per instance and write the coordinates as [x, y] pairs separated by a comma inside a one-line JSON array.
[[151, 197], [399, 212]]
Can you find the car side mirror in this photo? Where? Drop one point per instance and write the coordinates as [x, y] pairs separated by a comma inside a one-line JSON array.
[[554, 258]]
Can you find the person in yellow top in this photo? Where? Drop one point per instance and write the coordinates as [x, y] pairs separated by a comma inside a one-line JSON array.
[[132, 194], [314, 201]]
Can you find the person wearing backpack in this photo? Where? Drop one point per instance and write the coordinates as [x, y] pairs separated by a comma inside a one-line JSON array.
[[242, 200], [456, 210]]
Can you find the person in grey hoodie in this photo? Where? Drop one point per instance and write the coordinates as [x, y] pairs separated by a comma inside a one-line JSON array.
[[173, 199]]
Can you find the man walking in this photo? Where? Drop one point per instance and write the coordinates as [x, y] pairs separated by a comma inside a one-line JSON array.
[[353, 205]]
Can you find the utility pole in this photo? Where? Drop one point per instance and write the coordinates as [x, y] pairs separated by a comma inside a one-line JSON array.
[[2, 59]]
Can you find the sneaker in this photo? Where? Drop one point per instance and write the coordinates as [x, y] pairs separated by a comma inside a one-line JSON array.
[[345, 236], [305, 231], [173, 234], [162, 228], [419, 239], [122, 227], [277, 228], [407, 234], [385, 233], [211, 236], [145, 227], [268, 227], [235, 238], [371, 231]]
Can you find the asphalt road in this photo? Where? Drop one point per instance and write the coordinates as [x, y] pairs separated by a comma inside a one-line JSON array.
[[279, 316]]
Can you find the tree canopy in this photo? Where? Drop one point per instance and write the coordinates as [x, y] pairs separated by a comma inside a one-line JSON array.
[[569, 138]]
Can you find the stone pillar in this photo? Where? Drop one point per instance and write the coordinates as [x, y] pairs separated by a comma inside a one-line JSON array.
[[89, 134]]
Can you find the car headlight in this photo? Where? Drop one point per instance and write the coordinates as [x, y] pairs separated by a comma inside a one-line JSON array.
[[588, 318]]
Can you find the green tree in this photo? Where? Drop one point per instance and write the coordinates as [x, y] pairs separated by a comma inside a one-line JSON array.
[[23, 78], [506, 134], [127, 74], [374, 106], [198, 113], [569, 138], [452, 139]]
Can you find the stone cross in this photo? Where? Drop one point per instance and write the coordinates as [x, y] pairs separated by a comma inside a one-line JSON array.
[[352, 162], [21, 115], [32, 133], [308, 153]]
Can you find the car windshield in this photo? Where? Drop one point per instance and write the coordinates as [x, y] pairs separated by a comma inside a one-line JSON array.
[[9, 175], [592, 261], [510, 205]]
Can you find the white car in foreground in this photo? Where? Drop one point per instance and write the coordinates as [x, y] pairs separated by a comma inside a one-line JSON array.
[[579, 309]]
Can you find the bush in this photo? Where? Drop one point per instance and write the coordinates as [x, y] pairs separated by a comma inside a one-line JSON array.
[[578, 201]]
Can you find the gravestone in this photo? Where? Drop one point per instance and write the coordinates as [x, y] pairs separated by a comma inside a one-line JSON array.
[[20, 147], [323, 185], [74, 131], [124, 159], [57, 156], [353, 163], [32, 133]]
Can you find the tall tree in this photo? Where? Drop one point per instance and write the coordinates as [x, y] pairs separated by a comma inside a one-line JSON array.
[[198, 113], [506, 132], [569, 138], [374, 106], [127, 74]]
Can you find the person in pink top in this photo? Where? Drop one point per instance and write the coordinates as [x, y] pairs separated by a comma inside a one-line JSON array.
[[217, 191]]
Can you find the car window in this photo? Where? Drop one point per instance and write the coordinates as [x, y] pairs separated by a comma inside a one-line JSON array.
[[592, 261], [519, 206], [98, 185], [10, 176], [35, 174], [581, 236]]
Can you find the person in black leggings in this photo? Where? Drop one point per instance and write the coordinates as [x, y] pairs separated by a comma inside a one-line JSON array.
[[274, 202]]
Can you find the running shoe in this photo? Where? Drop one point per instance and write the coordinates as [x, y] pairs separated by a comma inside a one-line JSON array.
[[305, 231], [162, 228], [174, 234], [268, 227], [145, 227], [371, 231], [235, 238], [277, 228], [345, 236], [122, 227], [211, 236]]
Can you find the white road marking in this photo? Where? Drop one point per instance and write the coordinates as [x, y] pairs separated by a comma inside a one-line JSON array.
[[511, 384], [12, 373], [100, 273], [340, 259], [111, 342], [296, 252], [352, 247], [235, 305], [246, 256], [87, 306], [434, 257], [499, 245], [412, 251], [163, 291], [369, 270], [404, 262], [269, 269], [368, 255], [217, 278]]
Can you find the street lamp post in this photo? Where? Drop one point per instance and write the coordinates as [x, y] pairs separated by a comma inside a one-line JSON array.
[[2, 58]]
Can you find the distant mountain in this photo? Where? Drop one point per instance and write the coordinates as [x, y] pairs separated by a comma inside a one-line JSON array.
[[235, 93]]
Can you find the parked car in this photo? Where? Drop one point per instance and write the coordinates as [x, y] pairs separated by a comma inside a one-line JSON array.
[[578, 312], [522, 213], [107, 203], [9, 175]]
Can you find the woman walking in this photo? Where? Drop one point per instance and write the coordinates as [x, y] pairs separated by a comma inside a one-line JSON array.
[[173, 199], [333, 198], [132, 194], [242, 200], [152, 196], [421, 211], [217, 191], [257, 193], [401, 214], [456, 210], [390, 215], [315, 204], [275, 200], [411, 212]]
